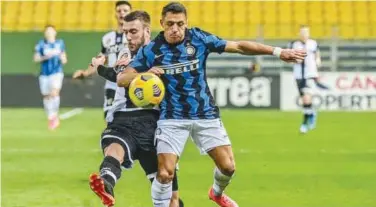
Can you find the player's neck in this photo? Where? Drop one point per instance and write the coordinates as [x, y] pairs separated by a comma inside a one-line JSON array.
[[52, 40], [119, 29]]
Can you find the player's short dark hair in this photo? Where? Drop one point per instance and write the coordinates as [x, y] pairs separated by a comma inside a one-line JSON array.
[[118, 3], [303, 26], [175, 8], [143, 16]]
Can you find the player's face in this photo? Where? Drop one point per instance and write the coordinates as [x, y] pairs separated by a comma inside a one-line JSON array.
[[50, 34], [174, 26], [136, 34], [304, 33], [122, 11]]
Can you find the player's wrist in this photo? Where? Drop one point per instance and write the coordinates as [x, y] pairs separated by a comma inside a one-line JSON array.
[[277, 52]]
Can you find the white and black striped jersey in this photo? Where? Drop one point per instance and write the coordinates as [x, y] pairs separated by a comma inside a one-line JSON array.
[[122, 101], [112, 44], [308, 68]]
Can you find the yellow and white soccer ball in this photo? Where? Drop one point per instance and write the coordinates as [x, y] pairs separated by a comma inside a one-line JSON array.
[[146, 90]]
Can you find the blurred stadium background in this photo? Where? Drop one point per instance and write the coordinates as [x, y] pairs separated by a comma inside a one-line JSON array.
[[335, 165]]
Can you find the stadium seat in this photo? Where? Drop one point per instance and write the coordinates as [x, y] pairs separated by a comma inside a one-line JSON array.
[[346, 13], [254, 15], [372, 11], [25, 20], [285, 12], [208, 14], [85, 18], [56, 12], [40, 14], [228, 19], [269, 11], [9, 17], [239, 12], [300, 12], [315, 13], [194, 13], [71, 15], [102, 19], [330, 12]]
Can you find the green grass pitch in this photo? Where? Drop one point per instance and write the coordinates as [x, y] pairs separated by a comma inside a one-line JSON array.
[[333, 166]]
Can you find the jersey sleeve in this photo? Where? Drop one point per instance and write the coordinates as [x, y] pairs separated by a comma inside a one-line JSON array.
[[62, 45], [290, 45], [317, 48], [38, 48], [103, 49], [142, 61], [212, 42]]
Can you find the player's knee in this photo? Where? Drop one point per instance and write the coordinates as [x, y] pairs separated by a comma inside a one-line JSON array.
[[227, 167], [307, 99], [165, 175], [55, 93], [115, 150]]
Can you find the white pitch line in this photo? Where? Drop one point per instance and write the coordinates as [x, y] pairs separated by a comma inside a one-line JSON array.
[[241, 151], [71, 113]]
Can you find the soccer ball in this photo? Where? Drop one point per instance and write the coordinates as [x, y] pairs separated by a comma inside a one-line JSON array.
[[146, 90]]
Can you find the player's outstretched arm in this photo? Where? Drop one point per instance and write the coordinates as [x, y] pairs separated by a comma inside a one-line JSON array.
[[92, 68], [125, 77], [254, 48]]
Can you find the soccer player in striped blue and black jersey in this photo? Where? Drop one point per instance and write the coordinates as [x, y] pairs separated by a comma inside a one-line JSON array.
[[50, 53], [179, 55]]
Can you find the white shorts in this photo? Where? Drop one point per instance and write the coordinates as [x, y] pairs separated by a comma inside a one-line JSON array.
[[47, 83], [171, 135]]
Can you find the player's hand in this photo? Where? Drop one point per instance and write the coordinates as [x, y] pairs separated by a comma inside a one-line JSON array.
[[123, 61], [99, 60], [293, 55], [157, 71], [63, 58], [79, 74]]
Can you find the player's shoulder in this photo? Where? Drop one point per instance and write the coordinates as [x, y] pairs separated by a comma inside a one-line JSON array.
[[196, 31], [41, 42], [60, 41], [312, 41], [108, 35]]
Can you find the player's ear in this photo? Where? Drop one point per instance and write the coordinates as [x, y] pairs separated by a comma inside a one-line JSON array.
[[161, 22]]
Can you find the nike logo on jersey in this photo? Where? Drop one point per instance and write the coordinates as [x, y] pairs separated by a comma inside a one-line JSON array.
[[158, 56]]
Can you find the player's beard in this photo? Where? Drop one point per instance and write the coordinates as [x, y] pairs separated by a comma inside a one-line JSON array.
[[138, 46]]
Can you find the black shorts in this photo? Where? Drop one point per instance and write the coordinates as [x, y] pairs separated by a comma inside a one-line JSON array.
[[135, 132], [109, 96]]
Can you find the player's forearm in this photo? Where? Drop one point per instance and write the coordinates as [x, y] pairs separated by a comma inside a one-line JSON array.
[[125, 78], [107, 73], [254, 48], [38, 58]]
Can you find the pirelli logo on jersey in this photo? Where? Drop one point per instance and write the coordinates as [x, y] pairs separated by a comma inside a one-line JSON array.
[[179, 68]]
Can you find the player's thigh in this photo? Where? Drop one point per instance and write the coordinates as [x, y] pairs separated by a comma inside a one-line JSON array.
[[209, 134], [56, 83], [171, 136], [44, 85], [121, 135]]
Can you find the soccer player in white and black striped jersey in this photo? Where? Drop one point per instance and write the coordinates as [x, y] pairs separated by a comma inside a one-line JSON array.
[[112, 43], [130, 131], [306, 74]]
